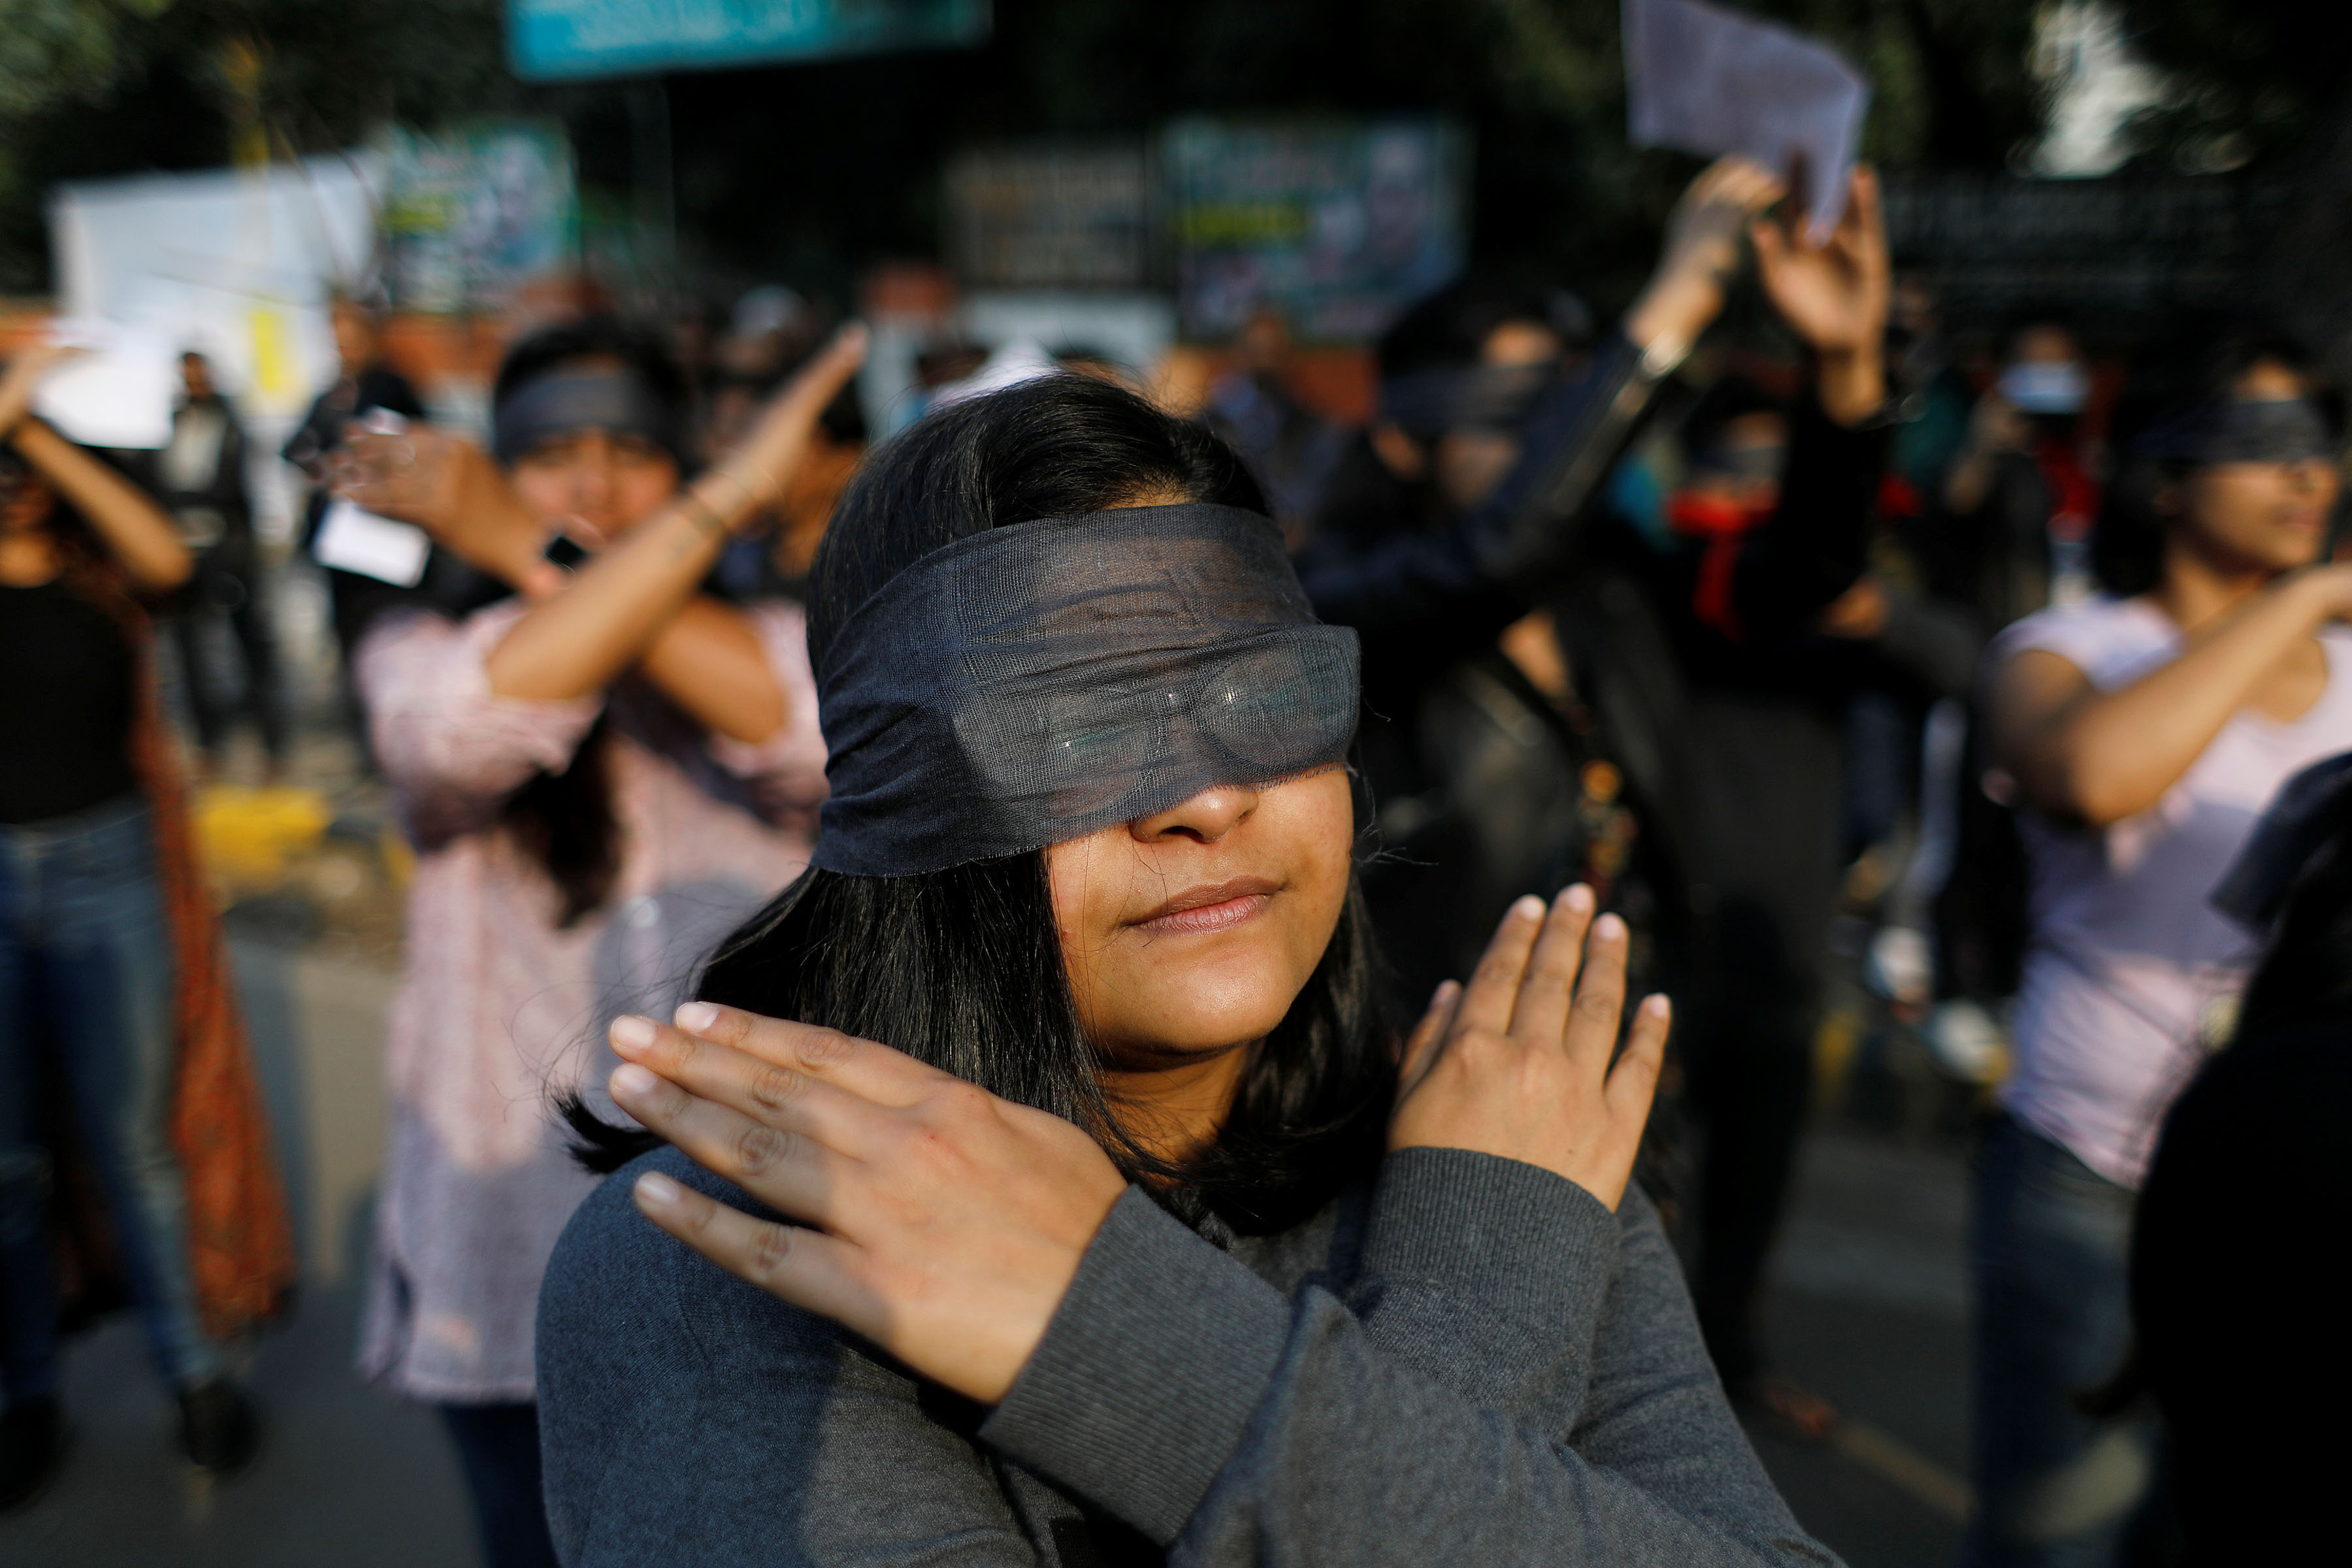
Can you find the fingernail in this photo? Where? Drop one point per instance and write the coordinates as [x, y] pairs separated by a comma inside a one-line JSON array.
[[1656, 1005], [694, 1017], [630, 1081], [1578, 897], [1444, 993], [1609, 927], [653, 1187], [631, 1032], [1528, 908]]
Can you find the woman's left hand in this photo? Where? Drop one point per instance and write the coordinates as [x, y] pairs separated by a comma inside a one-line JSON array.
[[1834, 296], [949, 1223]]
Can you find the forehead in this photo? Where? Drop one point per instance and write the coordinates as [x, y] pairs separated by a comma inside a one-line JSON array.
[[2047, 341], [2268, 379]]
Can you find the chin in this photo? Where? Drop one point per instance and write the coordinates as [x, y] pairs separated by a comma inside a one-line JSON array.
[[1198, 1013]]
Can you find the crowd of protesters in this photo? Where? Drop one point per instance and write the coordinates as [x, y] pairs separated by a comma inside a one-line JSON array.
[[1703, 620]]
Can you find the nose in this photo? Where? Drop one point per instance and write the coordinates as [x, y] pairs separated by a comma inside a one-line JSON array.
[[591, 476], [1205, 818]]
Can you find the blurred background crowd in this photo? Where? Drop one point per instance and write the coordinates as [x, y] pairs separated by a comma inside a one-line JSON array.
[[1388, 249]]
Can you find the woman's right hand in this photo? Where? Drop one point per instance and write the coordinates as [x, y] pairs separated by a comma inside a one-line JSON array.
[[1518, 1064], [756, 474], [948, 1223], [1702, 248]]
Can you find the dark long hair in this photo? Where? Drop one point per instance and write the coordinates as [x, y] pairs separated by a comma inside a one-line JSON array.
[[564, 821], [2306, 974], [962, 968]]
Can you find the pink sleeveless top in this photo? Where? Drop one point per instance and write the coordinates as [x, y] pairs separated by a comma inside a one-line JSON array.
[[2130, 974]]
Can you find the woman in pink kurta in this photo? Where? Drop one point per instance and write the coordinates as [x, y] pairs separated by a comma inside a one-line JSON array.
[[603, 774]]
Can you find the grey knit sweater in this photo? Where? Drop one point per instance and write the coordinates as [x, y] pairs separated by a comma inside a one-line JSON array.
[[1472, 1362]]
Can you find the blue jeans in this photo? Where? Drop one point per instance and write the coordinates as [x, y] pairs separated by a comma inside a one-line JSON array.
[[497, 1449], [86, 990], [2050, 1250]]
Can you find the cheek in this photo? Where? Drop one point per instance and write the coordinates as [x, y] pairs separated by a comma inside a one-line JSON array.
[[544, 490], [644, 488]]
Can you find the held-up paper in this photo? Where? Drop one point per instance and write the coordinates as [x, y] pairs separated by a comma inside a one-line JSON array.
[[118, 393], [1711, 82], [352, 540]]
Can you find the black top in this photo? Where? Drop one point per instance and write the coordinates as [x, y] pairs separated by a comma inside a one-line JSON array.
[[64, 704], [2238, 1293]]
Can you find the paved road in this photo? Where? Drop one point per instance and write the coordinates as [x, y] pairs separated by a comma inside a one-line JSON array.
[[1867, 1310]]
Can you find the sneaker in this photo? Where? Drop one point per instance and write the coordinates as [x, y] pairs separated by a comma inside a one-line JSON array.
[[220, 1430], [32, 1451]]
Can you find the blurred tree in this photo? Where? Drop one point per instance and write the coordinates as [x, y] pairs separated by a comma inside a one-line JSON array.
[[103, 87], [2256, 81]]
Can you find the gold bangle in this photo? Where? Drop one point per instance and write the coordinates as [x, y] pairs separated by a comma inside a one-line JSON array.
[[698, 511]]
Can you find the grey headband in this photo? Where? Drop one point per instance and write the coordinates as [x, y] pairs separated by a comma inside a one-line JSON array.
[[1427, 403], [1027, 685], [566, 402], [2247, 431]]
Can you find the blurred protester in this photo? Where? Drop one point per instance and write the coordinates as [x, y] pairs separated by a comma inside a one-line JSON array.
[[1172, 1141], [121, 1047], [202, 479], [2023, 490], [1439, 537], [2236, 1294], [1675, 649], [2141, 736], [1293, 449], [366, 384], [1931, 403], [602, 771]]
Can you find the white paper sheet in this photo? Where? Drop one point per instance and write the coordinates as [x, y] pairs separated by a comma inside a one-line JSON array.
[[352, 540], [1711, 82], [118, 393]]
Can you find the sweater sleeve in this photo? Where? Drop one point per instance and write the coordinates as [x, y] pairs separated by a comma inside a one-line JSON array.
[[452, 747], [1487, 1275], [1186, 1396], [686, 1417]]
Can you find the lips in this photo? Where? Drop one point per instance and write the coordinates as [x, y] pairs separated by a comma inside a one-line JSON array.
[[1211, 907]]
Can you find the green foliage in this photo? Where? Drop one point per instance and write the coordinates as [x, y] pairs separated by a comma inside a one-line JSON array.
[[97, 86], [2255, 79], [53, 51]]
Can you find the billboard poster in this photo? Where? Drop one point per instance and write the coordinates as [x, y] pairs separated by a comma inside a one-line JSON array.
[[472, 213], [1337, 225], [1072, 215], [565, 40]]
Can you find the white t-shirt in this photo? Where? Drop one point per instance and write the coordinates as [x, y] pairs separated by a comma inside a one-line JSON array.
[[2130, 973]]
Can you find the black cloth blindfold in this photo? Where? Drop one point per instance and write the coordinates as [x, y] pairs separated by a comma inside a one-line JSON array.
[[2262, 430], [566, 402], [1427, 403], [1028, 685]]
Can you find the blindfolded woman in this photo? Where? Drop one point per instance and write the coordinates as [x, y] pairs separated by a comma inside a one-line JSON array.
[[1126, 1244], [602, 771]]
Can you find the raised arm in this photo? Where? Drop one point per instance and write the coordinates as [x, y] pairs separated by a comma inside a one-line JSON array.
[[133, 526], [634, 603], [2087, 755], [1465, 584]]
